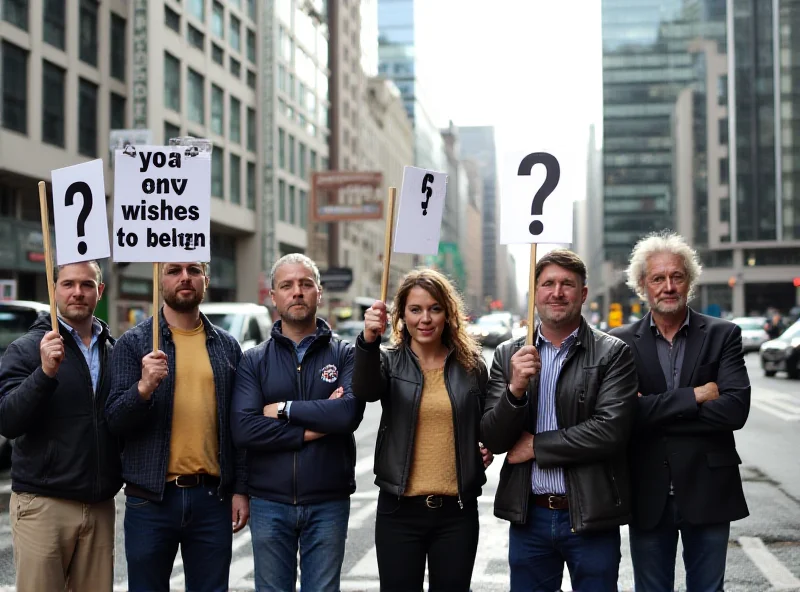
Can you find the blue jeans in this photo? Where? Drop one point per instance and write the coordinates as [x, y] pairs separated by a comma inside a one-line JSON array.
[[705, 550], [320, 531], [194, 518], [537, 551]]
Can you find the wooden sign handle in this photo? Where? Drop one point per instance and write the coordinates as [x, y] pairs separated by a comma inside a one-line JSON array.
[[156, 295], [531, 296], [387, 244], [48, 254]]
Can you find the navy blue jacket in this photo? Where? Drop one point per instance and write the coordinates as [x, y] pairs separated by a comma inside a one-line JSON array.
[[282, 467], [63, 447], [146, 426]]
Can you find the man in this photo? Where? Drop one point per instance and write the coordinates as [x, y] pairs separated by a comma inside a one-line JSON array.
[[694, 393], [563, 410], [171, 407], [295, 414], [65, 467]]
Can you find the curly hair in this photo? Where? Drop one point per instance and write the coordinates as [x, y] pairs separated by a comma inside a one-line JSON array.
[[467, 350], [661, 242]]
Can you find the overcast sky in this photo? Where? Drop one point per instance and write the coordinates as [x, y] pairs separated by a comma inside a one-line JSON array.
[[530, 68]]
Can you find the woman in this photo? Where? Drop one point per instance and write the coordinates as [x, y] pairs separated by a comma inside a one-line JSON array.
[[429, 464]]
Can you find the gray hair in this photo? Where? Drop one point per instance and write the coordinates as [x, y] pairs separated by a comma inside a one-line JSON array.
[[661, 242], [292, 258]]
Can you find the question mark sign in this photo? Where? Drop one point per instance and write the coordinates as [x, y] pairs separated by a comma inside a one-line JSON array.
[[427, 191], [550, 182], [86, 208]]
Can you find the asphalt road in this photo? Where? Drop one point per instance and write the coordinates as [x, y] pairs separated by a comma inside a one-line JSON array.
[[763, 553]]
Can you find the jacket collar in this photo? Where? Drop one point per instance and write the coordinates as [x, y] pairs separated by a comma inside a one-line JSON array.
[[323, 333], [163, 325]]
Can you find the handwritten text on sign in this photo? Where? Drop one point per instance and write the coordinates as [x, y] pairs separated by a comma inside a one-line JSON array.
[[535, 207], [79, 212], [419, 213], [162, 205]]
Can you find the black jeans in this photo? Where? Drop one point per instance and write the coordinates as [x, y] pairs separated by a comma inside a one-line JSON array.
[[408, 530]]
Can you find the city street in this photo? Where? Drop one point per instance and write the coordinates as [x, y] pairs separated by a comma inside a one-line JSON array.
[[764, 549]]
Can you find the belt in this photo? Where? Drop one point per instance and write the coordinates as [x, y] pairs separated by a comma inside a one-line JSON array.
[[195, 480], [550, 501], [434, 502]]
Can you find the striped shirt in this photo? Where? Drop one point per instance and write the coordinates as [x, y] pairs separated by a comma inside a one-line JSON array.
[[549, 480], [91, 353]]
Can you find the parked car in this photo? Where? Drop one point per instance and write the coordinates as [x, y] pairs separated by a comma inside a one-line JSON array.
[[753, 333], [490, 330], [350, 330], [783, 353], [249, 323], [16, 317]]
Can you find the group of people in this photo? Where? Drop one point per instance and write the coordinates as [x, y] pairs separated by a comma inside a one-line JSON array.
[[598, 430]]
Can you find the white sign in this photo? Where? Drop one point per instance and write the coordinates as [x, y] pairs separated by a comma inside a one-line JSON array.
[[534, 206], [419, 214], [79, 212], [119, 138], [162, 204]]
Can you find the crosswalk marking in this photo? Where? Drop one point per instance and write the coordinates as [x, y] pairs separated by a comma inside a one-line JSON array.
[[779, 577], [780, 405]]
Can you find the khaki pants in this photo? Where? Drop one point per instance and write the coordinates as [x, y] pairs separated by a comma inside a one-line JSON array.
[[61, 544]]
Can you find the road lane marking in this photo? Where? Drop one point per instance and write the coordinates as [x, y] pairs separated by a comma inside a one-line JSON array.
[[770, 566], [358, 517]]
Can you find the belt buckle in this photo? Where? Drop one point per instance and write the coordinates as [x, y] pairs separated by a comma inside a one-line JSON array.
[[434, 501], [179, 483], [550, 500]]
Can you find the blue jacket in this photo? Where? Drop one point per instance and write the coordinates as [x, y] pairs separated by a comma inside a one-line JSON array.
[[282, 467], [146, 426]]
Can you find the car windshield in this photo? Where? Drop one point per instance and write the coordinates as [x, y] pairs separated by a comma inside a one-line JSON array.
[[491, 322], [792, 332], [14, 323], [231, 322], [750, 324]]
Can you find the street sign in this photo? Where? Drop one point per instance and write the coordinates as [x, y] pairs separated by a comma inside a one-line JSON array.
[[336, 279]]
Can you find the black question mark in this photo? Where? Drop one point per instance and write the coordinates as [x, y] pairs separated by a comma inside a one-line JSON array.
[[86, 208], [551, 180], [427, 191]]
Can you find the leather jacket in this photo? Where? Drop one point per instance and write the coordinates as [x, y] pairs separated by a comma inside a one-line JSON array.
[[595, 407], [393, 376]]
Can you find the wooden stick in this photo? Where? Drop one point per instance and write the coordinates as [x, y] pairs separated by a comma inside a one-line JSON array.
[[531, 296], [48, 255], [156, 294], [387, 244]]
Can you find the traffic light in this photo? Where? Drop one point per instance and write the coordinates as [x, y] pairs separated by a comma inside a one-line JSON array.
[[796, 282]]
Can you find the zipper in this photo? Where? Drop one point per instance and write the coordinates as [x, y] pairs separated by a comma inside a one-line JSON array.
[[614, 489], [455, 431], [413, 427], [294, 455]]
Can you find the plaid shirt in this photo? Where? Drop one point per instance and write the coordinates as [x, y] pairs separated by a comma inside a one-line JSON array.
[[146, 426]]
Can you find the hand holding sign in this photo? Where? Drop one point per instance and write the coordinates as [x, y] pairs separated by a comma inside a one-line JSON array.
[[79, 199], [419, 222]]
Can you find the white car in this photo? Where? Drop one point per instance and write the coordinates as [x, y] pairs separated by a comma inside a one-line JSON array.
[[753, 333], [249, 323]]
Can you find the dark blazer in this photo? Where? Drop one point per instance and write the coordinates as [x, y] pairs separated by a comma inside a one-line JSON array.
[[675, 438]]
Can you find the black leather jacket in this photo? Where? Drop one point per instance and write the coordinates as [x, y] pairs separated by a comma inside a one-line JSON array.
[[595, 407], [393, 376]]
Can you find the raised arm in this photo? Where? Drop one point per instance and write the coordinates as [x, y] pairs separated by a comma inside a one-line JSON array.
[[128, 409], [505, 416]]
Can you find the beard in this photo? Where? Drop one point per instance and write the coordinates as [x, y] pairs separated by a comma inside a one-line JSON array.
[[298, 314], [183, 303], [77, 315], [565, 316], [669, 307]]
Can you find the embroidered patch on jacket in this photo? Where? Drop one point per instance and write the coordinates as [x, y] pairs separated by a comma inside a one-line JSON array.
[[329, 373]]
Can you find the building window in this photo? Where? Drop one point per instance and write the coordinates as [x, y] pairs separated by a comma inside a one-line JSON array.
[[312, 160], [87, 118], [292, 207], [292, 163], [15, 88], [301, 158], [170, 131], [196, 98], [16, 13], [723, 171], [251, 185], [88, 32], [217, 109], [53, 104], [55, 18], [172, 19], [252, 132], [251, 79], [117, 111], [218, 20], [197, 9], [236, 34], [217, 54], [281, 149], [216, 171], [236, 67], [172, 82], [723, 131], [251, 9], [195, 37], [236, 121], [236, 179], [251, 46], [281, 201], [118, 45]]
